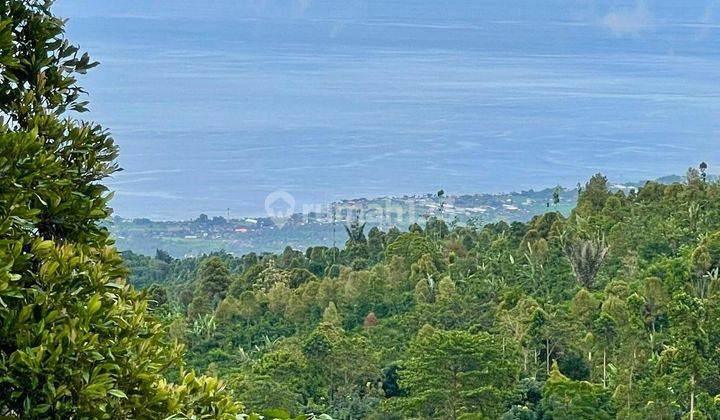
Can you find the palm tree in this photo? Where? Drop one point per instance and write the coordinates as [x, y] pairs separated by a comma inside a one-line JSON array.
[[355, 231], [586, 258]]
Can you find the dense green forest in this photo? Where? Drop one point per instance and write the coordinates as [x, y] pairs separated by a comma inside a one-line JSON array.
[[610, 313]]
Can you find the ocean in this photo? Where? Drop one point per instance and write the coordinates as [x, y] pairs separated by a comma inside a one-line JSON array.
[[216, 106]]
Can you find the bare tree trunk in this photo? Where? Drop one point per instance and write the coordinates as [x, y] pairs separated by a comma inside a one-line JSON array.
[[547, 356], [630, 384], [652, 339], [604, 368], [692, 397]]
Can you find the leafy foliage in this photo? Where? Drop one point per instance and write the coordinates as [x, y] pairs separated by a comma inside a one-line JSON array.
[[607, 313], [76, 341], [611, 312]]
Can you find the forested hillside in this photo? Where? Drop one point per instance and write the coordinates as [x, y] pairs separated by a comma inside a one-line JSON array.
[[610, 313]]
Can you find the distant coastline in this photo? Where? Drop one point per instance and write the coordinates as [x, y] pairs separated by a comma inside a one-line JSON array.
[[240, 235]]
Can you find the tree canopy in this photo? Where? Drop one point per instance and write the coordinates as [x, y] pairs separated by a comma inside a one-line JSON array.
[[76, 341], [607, 313], [611, 312]]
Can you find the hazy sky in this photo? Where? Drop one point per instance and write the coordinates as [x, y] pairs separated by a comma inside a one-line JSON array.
[[217, 104]]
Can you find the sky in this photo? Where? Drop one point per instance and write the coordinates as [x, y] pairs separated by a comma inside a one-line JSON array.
[[218, 105]]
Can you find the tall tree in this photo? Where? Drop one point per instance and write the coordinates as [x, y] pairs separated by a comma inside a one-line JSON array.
[[75, 340], [684, 362], [592, 198], [586, 258], [565, 399], [605, 329], [452, 373], [212, 284]]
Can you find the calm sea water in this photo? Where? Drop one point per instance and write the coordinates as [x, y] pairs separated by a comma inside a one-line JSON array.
[[216, 106]]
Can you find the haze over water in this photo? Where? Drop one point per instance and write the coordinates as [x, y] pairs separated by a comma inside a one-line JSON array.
[[217, 105]]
